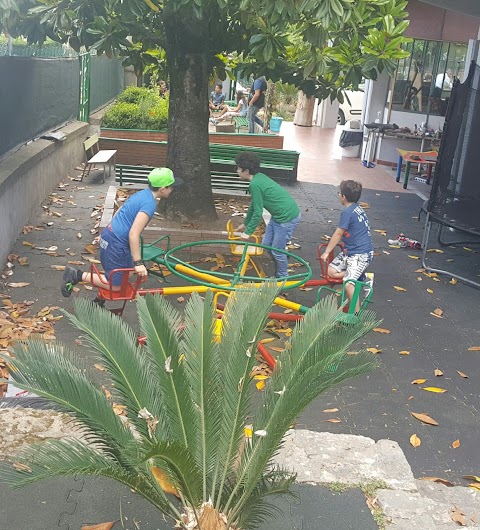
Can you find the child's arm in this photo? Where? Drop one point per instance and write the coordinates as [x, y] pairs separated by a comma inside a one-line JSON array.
[[141, 221], [335, 239]]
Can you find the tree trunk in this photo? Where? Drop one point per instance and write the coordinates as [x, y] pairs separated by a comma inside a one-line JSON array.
[[269, 101], [304, 112], [188, 147]]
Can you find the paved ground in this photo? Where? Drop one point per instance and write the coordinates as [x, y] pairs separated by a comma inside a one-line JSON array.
[[378, 405]]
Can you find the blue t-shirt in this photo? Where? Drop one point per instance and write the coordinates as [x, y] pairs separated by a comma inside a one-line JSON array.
[[142, 201], [357, 238], [217, 99]]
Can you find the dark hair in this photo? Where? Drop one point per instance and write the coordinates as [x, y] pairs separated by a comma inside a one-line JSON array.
[[351, 189], [153, 188], [240, 95], [248, 161], [219, 85]]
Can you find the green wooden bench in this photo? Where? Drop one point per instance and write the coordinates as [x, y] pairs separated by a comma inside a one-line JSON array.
[[221, 180], [240, 122], [280, 164]]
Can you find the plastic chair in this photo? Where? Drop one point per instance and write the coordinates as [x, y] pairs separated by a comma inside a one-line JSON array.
[[238, 250], [128, 287]]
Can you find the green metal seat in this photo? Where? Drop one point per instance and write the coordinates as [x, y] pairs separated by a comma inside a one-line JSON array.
[[152, 252], [349, 315]]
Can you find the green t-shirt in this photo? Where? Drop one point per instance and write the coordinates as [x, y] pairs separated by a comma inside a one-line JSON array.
[[266, 193]]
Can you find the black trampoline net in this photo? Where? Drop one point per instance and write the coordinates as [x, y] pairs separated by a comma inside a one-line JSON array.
[[455, 195]]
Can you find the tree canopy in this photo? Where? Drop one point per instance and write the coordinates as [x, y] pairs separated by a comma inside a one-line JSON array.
[[321, 46]]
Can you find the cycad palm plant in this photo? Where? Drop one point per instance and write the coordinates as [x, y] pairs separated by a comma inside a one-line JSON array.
[[187, 398]]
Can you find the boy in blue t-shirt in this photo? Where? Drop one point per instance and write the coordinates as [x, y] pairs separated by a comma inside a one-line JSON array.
[[120, 240], [354, 231]]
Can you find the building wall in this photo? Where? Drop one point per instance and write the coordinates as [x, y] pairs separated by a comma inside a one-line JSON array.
[[433, 23]]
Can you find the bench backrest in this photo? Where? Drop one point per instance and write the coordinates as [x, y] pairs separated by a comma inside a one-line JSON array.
[[90, 142], [266, 155]]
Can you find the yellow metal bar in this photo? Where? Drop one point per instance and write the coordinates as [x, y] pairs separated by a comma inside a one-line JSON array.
[[287, 304], [201, 275], [186, 289]]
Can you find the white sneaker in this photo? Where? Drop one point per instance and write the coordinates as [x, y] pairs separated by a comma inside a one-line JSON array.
[[370, 277]]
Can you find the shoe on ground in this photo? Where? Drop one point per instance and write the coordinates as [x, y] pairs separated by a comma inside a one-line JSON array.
[[70, 279], [213, 120]]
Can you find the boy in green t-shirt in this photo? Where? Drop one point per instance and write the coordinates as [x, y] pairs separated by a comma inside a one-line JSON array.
[[267, 194]]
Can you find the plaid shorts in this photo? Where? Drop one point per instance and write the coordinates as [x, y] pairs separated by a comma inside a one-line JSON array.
[[354, 265]]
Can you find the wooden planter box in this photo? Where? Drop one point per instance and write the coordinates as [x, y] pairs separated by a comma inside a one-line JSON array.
[[136, 147]]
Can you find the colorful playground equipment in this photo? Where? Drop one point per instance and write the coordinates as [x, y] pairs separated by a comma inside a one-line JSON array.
[[247, 254]]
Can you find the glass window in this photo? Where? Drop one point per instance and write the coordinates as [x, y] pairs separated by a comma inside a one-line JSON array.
[[423, 80]]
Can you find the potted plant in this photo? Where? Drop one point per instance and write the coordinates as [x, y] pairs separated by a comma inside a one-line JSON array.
[[185, 443]]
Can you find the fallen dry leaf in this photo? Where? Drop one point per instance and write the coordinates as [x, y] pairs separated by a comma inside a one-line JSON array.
[[404, 352], [461, 374], [458, 516], [266, 341], [434, 389], [475, 486], [330, 410], [415, 440], [424, 418], [430, 291], [374, 350], [382, 330], [18, 284], [397, 288], [443, 481], [456, 444], [474, 348], [418, 382], [437, 372], [413, 257], [472, 477], [334, 420], [100, 367], [162, 479], [22, 467]]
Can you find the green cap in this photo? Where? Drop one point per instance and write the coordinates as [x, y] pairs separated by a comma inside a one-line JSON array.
[[161, 177]]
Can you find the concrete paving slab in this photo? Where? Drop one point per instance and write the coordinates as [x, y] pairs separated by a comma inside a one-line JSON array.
[[325, 458]]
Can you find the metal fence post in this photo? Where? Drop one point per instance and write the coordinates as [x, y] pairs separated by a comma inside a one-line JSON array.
[[84, 103]]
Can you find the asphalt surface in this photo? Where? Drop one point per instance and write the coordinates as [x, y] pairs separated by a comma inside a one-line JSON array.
[[378, 405]]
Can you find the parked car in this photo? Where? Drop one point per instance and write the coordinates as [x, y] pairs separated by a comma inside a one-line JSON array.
[[353, 110]]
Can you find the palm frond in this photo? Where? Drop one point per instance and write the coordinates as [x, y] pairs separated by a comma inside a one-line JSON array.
[[256, 508], [202, 367], [161, 324], [133, 380], [245, 315], [178, 463], [43, 369], [315, 361], [68, 457]]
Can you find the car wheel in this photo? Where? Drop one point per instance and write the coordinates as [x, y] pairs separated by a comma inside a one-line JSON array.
[[341, 117]]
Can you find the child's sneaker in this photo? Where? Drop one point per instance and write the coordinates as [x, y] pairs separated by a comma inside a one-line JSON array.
[[71, 277], [369, 278], [213, 120]]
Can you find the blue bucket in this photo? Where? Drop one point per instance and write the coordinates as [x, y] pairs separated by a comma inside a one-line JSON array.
[[275, 124]]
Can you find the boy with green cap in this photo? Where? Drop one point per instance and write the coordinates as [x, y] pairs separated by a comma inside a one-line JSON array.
[[120, 240]]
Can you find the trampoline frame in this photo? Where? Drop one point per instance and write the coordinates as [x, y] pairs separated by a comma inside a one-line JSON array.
[[430, 219]]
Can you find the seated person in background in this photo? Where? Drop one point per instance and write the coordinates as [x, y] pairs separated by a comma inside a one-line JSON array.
[[217, 100], [239, 110]]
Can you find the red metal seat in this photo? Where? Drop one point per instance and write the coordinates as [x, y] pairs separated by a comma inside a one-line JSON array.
[[128, 287]]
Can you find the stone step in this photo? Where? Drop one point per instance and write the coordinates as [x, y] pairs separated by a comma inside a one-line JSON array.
[[430, 507]]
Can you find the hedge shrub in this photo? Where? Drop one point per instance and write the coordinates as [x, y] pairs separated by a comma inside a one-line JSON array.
[[137, 108]]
